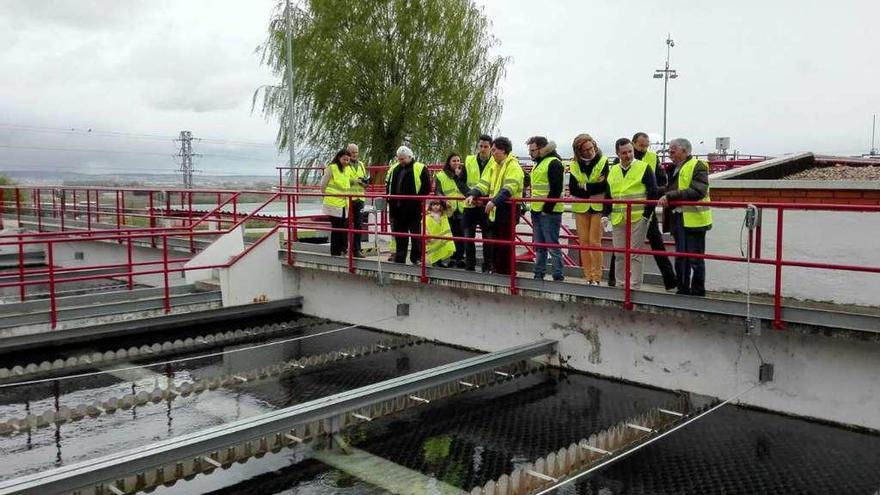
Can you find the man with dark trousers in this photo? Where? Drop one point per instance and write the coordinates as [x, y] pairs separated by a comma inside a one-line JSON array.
[[474, 216], [641, 142], [409, 178], [689, 182]]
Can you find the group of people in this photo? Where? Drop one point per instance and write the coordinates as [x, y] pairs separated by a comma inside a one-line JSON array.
[[479, 188]]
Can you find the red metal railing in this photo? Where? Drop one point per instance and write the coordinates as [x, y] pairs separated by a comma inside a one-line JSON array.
[[221, 215]]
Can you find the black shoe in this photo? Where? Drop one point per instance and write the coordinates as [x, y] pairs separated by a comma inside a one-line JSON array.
[[612, 283], [559, 279], [460, 264], [683, 292], [538, 276], [470, 268], [358, 255], [487, 268]]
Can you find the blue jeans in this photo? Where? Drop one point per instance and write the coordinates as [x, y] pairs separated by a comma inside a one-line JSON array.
[[545, 227]]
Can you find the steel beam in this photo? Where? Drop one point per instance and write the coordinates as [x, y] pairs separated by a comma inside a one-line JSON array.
[[87, 476]]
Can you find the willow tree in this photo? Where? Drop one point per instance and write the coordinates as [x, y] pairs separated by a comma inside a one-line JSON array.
[[381, 73]]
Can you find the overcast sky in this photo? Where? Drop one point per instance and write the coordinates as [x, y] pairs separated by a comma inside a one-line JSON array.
[[776, 77]]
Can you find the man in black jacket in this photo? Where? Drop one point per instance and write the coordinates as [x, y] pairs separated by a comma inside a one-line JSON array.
[[409, 178], [546, 181]]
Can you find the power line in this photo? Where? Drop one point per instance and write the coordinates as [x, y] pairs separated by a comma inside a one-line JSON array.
[[73, 131], [131, 152]]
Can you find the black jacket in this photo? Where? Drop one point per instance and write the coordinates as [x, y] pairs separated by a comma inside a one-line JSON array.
[[402, 183]]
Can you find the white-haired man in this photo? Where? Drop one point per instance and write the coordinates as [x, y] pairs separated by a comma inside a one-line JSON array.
[[409, 178], [689, 182]]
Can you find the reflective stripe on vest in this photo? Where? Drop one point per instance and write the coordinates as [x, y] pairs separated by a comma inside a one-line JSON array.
[[541, 185], [627, 186], [592, 179], [694, 216], [339, 184], [438, 249], [356, 170], [450, 189]]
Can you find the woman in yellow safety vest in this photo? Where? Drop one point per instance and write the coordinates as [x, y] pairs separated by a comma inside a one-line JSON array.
[[452, 182], [438, 251], [335, 184], [587, 179]]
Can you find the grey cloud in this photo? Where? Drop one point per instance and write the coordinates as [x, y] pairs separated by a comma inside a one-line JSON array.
[[80, 14]]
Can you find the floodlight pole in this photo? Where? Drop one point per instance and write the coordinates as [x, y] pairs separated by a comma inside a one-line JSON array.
[[666, 74], [290, 125]]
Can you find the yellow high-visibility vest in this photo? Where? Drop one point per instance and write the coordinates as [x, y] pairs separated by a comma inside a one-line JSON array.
[[541, 185], [357, 170], [508, 175], [694, 216], [340, 183], [450, 189], [627, 186], [438, 249], [593, 178]]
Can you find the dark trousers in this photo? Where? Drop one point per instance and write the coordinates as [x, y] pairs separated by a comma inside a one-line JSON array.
[[357, 209], [502, 229], [471, 219], [338, 239], [407, 224], [455, 224], [691, 272], [655, 239]]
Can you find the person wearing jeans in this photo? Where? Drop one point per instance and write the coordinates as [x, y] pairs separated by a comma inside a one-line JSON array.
[[546, 180]]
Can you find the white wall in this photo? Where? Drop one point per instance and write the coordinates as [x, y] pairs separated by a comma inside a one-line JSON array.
[[254, 276], [822, 237], [832, 378], [107, 253], [218, 252]]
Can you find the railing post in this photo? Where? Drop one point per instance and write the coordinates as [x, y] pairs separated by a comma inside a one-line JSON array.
[[758, 234], [423, 235], [777, 296], [75, 205], [235, 209], [294, 232], [118, 221], [21, 288], [54, 205], [217, 215], [167, 295], [513, 222], [122, 206], [39, 210], [88, 210], [130, 263], [2, 205], [152, 217], [53, 309], [627, 288], [289, 234], [350, 236], [97, 206], [63, 209], [18, 207], [192, 244]]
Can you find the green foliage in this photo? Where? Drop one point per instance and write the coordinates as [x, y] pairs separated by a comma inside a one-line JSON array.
[[385, 72]]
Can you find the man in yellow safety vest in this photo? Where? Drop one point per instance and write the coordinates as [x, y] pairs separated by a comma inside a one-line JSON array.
[[408, 178], [547, 177], [474, 216], [501, 181], [689, 182], [360, 178], [630, 179]]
